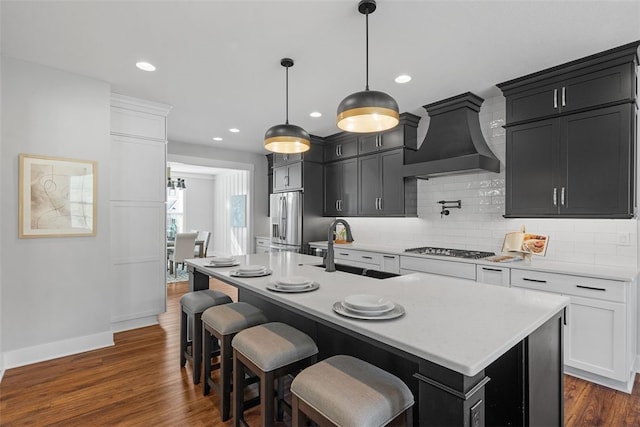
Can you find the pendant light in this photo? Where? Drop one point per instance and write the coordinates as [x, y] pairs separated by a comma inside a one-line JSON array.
[[368, 110], [287, 138]]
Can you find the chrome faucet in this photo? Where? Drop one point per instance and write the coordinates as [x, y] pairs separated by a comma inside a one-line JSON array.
[[328, 260]]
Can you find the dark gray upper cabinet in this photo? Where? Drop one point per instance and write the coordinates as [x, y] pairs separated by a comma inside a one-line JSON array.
[[340, 146], [403, 135], [287, 177], [591, 82], [341, 188], [579, 161], [280, 159], [381, 184]]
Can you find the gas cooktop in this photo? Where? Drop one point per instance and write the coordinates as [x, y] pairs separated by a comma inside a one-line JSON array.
[[457, 253]]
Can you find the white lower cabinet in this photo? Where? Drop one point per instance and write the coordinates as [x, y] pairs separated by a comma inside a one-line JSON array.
[[600, 332], [493, 275], [463, 270], [365, 259], [263, 245], [595, 337]]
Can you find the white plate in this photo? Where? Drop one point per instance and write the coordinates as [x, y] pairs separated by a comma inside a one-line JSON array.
[[236, 273], [251, 268], [221, 264], [293, 281], [307, 288], [222, 259], [366, 302], [383, 310], [397, 311]]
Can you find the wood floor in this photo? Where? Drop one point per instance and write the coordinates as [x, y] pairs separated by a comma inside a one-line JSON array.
[[138, 382]]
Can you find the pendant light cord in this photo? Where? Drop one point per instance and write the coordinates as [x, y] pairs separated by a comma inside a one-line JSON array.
[[286, 91], [367, 50]]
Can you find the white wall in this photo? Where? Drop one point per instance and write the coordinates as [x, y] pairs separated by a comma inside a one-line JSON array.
[[479, 224], [54, 293]]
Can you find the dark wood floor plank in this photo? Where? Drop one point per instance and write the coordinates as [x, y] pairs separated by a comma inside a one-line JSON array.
[[138, 382]]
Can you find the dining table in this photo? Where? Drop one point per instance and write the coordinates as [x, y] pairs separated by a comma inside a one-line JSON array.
[[472, 354]]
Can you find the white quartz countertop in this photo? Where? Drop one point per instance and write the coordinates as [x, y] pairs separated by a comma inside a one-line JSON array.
[[458, 324], [624, 274]]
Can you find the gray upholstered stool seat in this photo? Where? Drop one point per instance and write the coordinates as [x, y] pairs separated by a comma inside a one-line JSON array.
[[349, 392], [223, 322], [270, 351], [193, 304]]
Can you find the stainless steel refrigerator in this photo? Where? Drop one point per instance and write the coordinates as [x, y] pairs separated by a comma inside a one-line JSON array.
[[294, 221]]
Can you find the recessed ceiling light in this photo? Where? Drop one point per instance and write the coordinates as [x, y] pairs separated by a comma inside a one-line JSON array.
[[403, 78], [217, 138], [234, 130], [145, 66], [316, 114]]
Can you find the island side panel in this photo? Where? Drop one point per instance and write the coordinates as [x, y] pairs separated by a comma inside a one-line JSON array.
[[198, 281]]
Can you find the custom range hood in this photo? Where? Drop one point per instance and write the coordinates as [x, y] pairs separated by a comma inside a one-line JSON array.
[[454, 143]]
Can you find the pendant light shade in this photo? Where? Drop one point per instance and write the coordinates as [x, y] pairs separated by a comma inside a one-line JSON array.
[[287, 138], [368, 110]]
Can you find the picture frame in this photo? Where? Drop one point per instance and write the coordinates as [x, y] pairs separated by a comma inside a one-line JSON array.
[[57, 197]]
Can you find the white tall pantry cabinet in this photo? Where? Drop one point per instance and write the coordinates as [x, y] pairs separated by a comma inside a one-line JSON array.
[[138, 213]]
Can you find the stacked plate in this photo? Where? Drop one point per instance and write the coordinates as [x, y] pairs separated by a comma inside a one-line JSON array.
[[222, 262], [365, 306], [250, 271], [292, 284]]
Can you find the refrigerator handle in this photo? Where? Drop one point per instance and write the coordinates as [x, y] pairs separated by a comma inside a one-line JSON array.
[[283, 205]]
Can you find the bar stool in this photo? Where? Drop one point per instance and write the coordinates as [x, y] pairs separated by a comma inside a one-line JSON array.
[[223, 322], [270, 351], [193, 304], [346, 391]]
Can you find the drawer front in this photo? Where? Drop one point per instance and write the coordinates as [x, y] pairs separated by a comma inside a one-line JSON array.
[[493, 275], [263, 242], [588, 287], [462, 270], [370, 258]]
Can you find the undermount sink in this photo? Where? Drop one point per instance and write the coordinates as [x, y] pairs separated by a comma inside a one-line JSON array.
[[376, 274]]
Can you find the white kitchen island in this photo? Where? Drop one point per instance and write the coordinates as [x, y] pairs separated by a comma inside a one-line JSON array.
[[469, 352]]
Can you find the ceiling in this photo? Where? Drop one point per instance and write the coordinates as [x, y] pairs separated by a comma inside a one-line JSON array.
[[218, 62]]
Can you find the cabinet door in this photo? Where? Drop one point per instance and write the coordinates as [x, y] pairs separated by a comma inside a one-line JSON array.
[[533, 103], [349, 188], [368, 143], [295, 176], [596, 149], [531, 172], [392, 194], [280, 178], [595, 337], [344, 148], [369, 183], [597, 88], [280, 159], [332, 188], [493, 275]]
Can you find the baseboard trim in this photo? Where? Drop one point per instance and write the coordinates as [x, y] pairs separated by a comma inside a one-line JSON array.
[[54, 350], [141, 322], [626, 387]]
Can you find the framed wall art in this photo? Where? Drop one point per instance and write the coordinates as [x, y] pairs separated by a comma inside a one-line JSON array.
[[57, 197], [239, 210]]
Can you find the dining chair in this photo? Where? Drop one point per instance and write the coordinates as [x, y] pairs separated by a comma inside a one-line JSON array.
[[182, 249], [203, 236]]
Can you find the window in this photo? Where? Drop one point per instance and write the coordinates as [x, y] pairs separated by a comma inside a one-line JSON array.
[[175, 212]]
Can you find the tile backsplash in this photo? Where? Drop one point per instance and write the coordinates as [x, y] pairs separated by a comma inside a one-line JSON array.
[[479, 223]]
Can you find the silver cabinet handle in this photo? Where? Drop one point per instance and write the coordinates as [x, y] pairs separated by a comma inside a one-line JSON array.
[[340, 150], [340, 205], [555, 196], [286, 157], [337, 205], [562, 196], [555, 98], [377, 204], [378, 141], [564, 96]]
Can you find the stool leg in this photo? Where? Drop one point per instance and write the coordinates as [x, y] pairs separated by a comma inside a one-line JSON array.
[[183, 338], [196, 347], [268, 399], [226, 365], [206, 359], [238, 391]]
